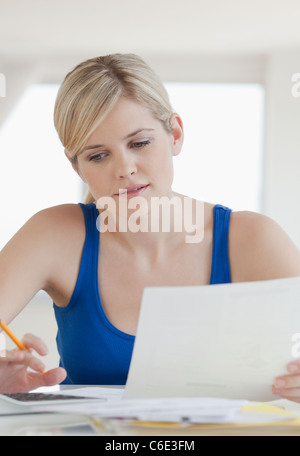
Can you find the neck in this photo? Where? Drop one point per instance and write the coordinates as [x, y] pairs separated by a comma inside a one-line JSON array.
[[157, 230]]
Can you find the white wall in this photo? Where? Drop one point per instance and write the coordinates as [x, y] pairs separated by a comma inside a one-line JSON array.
[[18, 76], [281, 191]]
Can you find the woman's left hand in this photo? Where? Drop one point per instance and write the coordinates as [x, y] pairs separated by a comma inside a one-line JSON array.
[[288, 386]]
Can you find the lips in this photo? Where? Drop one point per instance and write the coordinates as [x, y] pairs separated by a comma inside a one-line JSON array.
[[133, 190]]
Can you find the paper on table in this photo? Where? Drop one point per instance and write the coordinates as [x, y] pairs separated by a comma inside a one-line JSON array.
[[185, 411], [227, 340], [98, 392], [173, 409], [200, 410]]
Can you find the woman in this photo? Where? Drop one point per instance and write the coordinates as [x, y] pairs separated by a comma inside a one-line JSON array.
[[120, 134]]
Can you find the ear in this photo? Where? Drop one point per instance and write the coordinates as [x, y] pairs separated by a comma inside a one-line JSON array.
[[177, 133], [74, 163]]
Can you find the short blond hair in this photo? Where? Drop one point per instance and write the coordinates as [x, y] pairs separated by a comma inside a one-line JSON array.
[[92, 89]]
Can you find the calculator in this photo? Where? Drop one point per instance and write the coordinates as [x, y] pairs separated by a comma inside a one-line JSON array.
[[24, 403]]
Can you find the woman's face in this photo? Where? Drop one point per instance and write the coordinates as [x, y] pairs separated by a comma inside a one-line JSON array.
[[132, 151]]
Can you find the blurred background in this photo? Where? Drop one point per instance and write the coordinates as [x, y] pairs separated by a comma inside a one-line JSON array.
[[231, 67]]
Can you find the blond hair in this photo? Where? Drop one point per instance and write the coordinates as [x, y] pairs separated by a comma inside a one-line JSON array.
[[92, 89]]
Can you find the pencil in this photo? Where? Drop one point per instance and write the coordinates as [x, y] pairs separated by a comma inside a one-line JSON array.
[[12, 336]]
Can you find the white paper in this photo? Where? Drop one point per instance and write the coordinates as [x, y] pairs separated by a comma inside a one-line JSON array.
[[225, 341], [185, 411], [200, 410], [171, 409], [97, 392], [88, 392]]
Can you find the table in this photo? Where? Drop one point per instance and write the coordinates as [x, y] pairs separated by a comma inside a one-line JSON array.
[[52, 424]]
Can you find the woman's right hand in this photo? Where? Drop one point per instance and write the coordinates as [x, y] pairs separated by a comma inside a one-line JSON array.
[[14, 374]]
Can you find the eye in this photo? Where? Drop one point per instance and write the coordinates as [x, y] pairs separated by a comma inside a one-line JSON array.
[[140, 144], [97, 157]]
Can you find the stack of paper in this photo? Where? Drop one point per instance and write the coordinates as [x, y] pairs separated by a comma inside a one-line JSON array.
[[190, 410], [185, 411]]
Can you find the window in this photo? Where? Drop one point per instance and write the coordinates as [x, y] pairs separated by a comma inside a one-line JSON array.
[[34, 171], [222, 157]]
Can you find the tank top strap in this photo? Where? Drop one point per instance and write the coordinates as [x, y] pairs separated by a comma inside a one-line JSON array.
[[220, 268], [89, 261]]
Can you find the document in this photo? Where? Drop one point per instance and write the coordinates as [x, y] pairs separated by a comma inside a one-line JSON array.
[[217, 341], [97, 392], [184, 412], [176, 410]]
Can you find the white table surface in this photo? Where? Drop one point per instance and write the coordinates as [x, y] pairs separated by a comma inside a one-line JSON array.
[[54, 424]]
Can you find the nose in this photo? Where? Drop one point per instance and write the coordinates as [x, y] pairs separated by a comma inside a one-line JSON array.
[[125, 166]]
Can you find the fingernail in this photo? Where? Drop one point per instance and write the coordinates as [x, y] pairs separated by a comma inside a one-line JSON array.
[[276, 391], [293, 367], [43, 349], [280, 383]]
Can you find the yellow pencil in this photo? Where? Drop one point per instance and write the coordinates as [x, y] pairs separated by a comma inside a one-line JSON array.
[[12, 336]]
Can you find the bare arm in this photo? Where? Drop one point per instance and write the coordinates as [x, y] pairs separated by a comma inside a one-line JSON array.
[[23, 269], [24, 266], [259, 249], [34, 260], [43, 255]]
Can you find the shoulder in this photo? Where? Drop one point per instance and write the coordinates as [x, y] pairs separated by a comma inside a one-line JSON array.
[[55, 226], [64, 215], [259, 249], [59, 240], [43, 251]]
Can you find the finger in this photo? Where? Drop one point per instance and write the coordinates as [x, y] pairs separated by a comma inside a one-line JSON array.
[[36, 343], [50, 378], [292, 394], [8, 359], [14, 356], [55, 376], [34, 363], [293, 367], [24, 358], [287, 382]]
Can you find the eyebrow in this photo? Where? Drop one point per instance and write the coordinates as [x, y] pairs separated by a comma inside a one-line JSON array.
[[96, 146]]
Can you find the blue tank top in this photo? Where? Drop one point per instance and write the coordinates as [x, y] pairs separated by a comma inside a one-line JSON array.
[[91, 349]]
